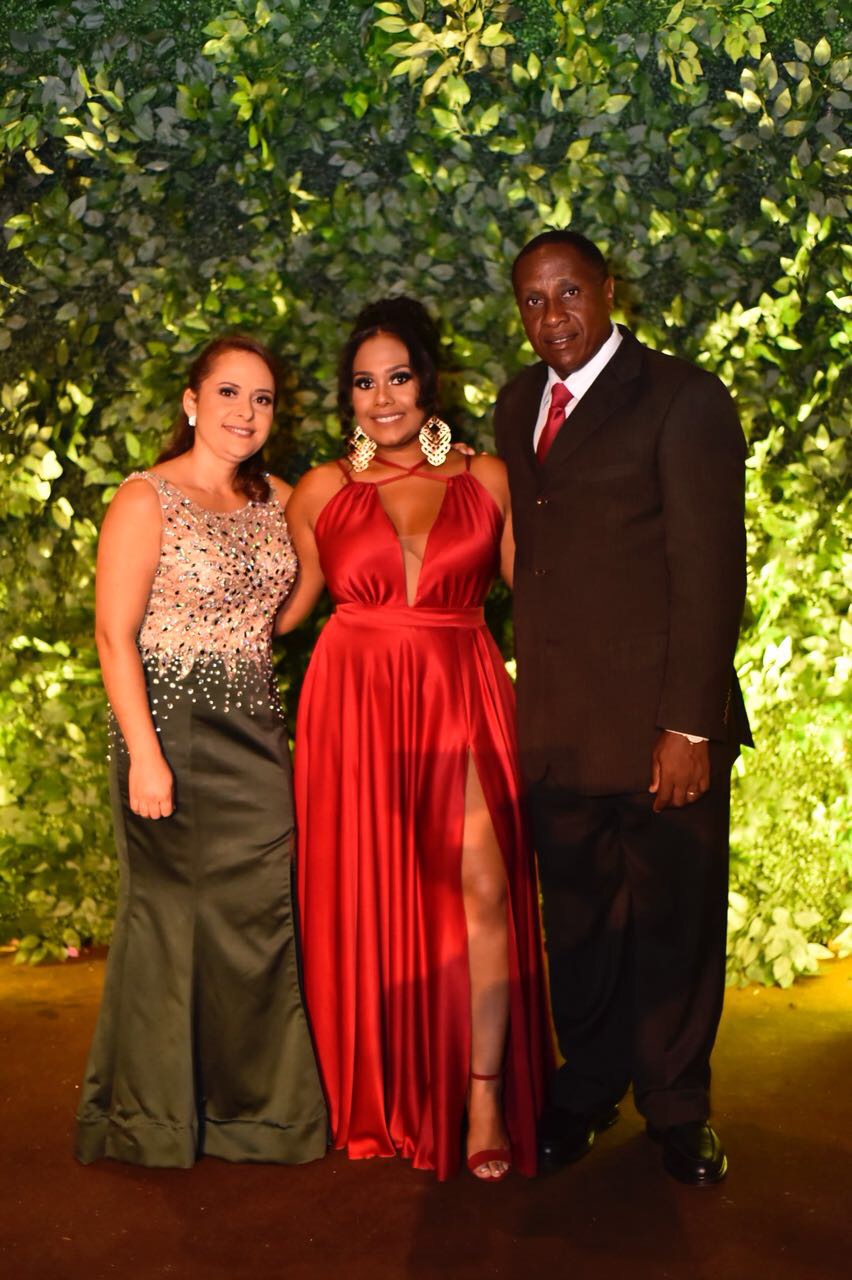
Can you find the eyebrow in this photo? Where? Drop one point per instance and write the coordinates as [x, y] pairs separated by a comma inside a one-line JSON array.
[[396, 368], [228, 382], [563, 280]]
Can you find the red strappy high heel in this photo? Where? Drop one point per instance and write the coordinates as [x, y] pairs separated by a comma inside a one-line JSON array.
[[503, 1154]]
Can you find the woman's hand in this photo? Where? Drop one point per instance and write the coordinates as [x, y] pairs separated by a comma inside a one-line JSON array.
[[151, 786]]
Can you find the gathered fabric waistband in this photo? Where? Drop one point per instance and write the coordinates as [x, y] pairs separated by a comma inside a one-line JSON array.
[[381, 615]]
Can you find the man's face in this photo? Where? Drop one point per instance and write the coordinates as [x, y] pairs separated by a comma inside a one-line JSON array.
[[565, 304]]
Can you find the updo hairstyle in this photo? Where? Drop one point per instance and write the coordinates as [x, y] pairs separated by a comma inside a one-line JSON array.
[[410, 322]]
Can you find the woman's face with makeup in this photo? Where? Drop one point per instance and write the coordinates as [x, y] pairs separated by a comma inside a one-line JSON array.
[[234, 405], [385, 391]]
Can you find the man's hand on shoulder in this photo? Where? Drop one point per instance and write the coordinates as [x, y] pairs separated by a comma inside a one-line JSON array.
[[680, 771]]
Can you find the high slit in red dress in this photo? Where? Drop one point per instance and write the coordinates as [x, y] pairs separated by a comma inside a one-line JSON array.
[[396, 699]]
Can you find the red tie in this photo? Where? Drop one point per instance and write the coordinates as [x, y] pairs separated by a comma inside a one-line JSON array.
[[560, 397]]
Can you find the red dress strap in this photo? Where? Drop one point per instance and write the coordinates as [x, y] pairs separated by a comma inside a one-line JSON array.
[[386, 462], [416, 470], [347, 473]]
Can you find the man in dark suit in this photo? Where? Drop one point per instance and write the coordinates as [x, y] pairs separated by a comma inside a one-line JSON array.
[[626, 473]]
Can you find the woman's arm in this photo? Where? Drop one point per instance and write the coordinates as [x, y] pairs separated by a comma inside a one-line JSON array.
[[507, 551], [128, 553], [308, 499], [492, 475]]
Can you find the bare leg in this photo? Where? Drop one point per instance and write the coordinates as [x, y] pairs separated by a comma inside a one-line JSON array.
[[485, 901]]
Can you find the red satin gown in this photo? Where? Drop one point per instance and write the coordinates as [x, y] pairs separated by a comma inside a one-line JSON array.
[[396, 700]]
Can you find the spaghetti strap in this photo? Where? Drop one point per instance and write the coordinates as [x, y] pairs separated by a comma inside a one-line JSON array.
[[347, 474], [416, 470], [468, 459], [397, 466]]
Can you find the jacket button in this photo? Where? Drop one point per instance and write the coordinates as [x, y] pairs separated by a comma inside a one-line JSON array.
[[539, 573], [541, 502]]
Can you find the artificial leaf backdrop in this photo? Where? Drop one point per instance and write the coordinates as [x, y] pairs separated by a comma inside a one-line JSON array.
[[173, 169]]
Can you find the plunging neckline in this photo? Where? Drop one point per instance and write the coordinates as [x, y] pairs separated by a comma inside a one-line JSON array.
[[372, 484], [412, 603]]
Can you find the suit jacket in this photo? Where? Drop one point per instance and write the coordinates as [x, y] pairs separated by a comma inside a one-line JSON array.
[[630, 569]]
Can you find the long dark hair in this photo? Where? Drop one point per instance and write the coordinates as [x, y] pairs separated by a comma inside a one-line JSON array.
[[250, 478], [408, 320]]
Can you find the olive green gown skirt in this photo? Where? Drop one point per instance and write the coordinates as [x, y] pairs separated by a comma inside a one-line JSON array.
[[202, 1046]]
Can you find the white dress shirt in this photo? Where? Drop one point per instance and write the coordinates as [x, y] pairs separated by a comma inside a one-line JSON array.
[[578, 383]]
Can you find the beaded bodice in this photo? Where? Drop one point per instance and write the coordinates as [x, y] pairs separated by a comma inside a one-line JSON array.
[[221, 578]]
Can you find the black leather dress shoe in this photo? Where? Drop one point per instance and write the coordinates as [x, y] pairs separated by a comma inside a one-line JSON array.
[[692, 1153], [565, 1136]]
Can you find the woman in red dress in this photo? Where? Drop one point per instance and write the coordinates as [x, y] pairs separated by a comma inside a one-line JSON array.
[[420, 932]]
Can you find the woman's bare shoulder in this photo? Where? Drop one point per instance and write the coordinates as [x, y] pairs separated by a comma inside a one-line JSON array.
[[488, 464], [136, 497], [324, 476], [315, 488], [491, 472]]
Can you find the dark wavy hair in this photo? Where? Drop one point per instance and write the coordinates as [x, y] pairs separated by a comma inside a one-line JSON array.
[[250, 478], [408, 320]]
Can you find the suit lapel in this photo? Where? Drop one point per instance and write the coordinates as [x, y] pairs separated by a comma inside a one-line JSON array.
[[530, 403], [611, 391]]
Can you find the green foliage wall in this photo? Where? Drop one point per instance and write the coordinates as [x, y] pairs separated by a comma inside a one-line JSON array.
[[176, 169]]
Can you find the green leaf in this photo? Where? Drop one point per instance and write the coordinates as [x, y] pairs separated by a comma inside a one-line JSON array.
[[782, 103], [494, 35], [822, 52], [445, 118], [391, 24], [489, 118], [357, 101]]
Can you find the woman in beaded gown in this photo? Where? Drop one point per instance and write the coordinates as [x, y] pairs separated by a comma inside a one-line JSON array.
[[202, 1046], [422, 955]]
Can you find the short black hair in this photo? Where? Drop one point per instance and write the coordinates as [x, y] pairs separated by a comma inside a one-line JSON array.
[[582, 244], [408, 320]]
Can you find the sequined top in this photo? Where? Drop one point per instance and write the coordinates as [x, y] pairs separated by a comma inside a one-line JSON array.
[[221, 579]]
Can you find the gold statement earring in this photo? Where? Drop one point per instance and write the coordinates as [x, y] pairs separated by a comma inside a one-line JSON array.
[[361, 449], [435, 440]]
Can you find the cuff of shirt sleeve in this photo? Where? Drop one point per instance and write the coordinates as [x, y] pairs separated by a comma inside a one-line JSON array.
[[690, 737]]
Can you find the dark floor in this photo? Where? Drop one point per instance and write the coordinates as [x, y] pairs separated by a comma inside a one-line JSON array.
[[783, 1103]]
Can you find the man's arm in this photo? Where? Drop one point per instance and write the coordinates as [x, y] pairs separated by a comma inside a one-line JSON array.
[[701, 462], [701, 465]]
